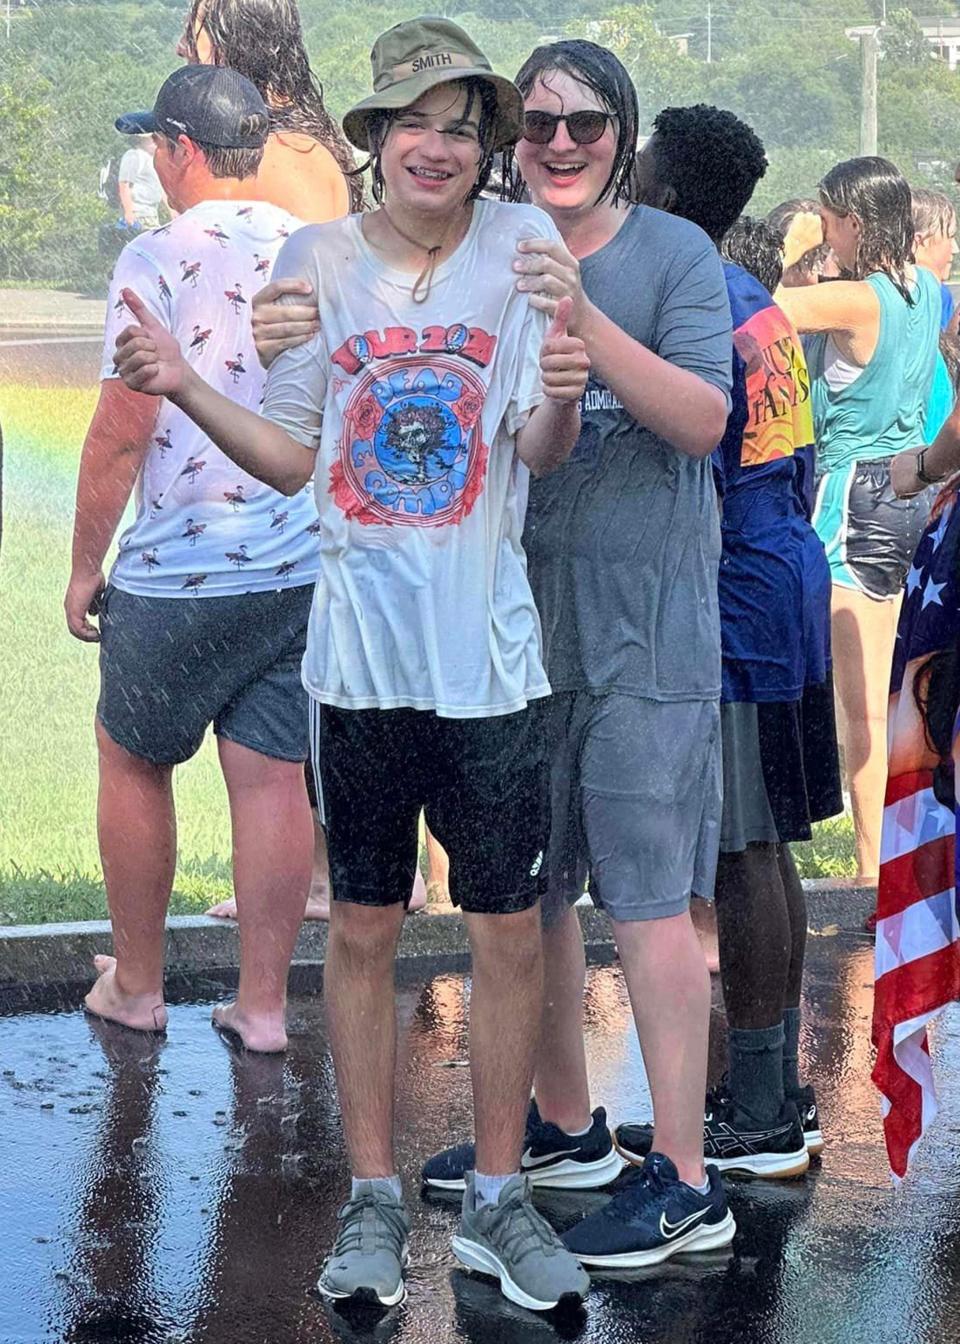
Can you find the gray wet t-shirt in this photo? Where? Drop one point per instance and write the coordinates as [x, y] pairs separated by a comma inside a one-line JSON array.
[[623, 541]]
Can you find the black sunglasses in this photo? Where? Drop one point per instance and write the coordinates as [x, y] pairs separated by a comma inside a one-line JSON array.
[[583, 128]]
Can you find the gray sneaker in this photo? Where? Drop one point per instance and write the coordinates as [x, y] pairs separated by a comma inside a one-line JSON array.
[[370, 1252], [512, 1242]]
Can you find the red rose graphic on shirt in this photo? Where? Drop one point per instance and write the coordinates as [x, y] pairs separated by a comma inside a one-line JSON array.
[[366, 417], [468, 408]]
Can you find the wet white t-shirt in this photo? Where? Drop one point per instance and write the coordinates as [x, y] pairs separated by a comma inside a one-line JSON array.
[[414, 408], [204, 527]]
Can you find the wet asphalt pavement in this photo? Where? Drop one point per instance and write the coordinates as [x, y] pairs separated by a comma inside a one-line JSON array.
[[161, 1191]]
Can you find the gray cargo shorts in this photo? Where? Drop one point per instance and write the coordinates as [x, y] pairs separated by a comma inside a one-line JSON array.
[[636, 802], [171, 666]]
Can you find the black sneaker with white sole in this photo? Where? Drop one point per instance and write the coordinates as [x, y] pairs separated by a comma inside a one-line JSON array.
[[735, 1141], [803, 1098], [550, 1158], [655, 1215], [806, 1103]]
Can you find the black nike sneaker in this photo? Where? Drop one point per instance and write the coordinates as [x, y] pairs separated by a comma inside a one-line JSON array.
[[655, 1215], [550, 1157], [735, 1141], [806, 1103]]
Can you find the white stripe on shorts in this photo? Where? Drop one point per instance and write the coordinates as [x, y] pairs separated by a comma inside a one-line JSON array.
[[315, 757]]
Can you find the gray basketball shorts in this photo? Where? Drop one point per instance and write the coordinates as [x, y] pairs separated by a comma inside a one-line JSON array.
[[636, 803], [171, 666]]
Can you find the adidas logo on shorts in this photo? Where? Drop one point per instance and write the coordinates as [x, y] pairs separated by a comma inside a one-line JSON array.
[[537, 864]]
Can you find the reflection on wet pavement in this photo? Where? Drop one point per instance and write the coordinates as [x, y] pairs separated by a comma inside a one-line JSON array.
[[161, 1192]]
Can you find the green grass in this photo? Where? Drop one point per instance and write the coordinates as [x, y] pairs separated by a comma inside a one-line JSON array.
[[49, 868]]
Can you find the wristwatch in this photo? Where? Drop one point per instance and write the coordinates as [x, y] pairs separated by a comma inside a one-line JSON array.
[[921, 474]]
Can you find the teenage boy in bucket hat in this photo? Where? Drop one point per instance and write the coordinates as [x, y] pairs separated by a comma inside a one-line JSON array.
[[204, 617], [428, 393]]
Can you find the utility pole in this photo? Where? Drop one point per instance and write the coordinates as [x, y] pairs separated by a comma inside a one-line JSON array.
[[709, 29], [8, 22], [869, 48]]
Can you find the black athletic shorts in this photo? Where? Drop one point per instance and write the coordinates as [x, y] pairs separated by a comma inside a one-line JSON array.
[[483, 785]]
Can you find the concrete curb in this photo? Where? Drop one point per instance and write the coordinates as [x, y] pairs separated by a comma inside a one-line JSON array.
[[43, 963]]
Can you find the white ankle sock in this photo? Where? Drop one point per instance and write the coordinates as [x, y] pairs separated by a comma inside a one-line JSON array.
[[700, 1189], [579, 1133], [387, 1185], [487, 1188]]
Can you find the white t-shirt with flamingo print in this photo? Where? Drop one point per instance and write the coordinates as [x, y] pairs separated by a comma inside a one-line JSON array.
[[203, 527]]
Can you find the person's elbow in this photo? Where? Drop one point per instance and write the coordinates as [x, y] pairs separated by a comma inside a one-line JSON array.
[[710, 425]]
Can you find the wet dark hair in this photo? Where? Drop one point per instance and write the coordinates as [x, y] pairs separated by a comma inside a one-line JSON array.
[[758, 248], [876, 191], [711, 159], [263, 39], [379, 123], [936, 694], [782, 216], [605, 75]]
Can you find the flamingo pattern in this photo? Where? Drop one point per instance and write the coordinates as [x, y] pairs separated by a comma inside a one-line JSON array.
[[203, 527], [193, 530], [236, 368], [235, 297], [193, 469], [200, 338], [239, 557]]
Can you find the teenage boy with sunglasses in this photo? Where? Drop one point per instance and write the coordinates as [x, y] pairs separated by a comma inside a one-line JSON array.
[[430, 388], [623, 545]]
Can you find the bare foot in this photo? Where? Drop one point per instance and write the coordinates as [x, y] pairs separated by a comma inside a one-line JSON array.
[[262, 1036], [318, 907], [704, 916], [140, 1012]]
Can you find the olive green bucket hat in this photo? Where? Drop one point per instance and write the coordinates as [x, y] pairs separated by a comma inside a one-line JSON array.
[[419, 54]]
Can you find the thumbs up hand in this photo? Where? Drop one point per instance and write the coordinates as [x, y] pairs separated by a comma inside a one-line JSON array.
[[147, 356], [564, 364]]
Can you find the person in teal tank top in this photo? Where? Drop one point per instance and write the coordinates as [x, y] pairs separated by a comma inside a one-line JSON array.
[[872, 356]]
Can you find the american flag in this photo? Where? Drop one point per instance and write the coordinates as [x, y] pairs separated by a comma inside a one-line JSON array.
[[918, 929]]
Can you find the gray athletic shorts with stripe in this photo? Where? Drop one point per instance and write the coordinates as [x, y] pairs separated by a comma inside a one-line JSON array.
[[636, 802]]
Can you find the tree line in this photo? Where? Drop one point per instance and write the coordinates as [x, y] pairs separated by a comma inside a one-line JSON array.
[[788, 69]]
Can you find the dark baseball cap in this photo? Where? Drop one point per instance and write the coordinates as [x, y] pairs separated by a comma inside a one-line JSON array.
[[209, 104]]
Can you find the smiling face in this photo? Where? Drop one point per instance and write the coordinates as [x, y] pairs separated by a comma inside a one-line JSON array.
[[431, 152], [842, 233], [562, 176]]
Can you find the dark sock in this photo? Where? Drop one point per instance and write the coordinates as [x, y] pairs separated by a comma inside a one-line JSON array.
[[791, 1049], [756, 1070]]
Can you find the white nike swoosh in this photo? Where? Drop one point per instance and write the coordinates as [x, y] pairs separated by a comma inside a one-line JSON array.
[[528, 1161], [671, 1230]]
